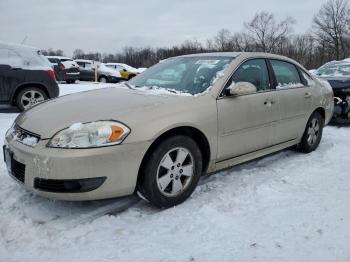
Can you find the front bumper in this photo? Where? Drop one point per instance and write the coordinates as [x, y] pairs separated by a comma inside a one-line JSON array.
[[119, 165]]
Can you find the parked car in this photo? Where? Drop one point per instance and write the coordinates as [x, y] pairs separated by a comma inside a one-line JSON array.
[[221, 110], [66, 69], [87, 69], [337, 73], [104, 73], [127, 72], [26, 76]]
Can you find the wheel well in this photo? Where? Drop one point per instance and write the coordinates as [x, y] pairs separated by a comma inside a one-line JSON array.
[[322, 112], [191, 132], [20, 88]]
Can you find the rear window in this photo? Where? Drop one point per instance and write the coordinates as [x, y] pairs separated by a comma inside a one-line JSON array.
[[53, 60], [65, 59]]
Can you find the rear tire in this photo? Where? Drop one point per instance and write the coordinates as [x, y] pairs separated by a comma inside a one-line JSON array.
[[103, 79], [312, 134], [29, 97], [172, 172], [70, 81]]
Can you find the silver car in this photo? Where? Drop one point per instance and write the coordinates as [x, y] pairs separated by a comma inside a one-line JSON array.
[[157, 134]]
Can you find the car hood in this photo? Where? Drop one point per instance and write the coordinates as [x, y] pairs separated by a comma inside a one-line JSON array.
[[121, 104]]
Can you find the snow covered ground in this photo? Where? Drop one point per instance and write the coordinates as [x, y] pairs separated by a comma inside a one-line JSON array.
[[285, 207]]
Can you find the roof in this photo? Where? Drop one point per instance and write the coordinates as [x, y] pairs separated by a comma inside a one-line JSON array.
[[15, 46], [84, 60], [231, 54], [58, 57], [245, 55]]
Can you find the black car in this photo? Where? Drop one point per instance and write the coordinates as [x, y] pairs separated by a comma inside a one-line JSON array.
[[87, 69], [26, 76], [66, 69], [337, 73]]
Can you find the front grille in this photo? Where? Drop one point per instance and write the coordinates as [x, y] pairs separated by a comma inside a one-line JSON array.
[[18, 170]]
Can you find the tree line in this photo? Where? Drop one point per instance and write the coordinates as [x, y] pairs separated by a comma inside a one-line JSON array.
[[327, 39]]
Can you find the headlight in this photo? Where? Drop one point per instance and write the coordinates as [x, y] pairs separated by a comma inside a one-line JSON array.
[[90, 135], [10, 131]]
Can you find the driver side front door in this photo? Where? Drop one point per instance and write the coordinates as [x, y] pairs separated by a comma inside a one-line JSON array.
[[246, 122]]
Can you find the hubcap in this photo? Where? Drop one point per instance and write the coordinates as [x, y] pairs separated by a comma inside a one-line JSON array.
[[175, 171], [103, 80], [313, 131], [31, 98]]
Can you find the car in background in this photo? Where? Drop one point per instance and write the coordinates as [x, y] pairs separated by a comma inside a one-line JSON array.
[[104, 74], [87, 69], [127, 72], [26, 76], [337, 73], [159, 134], [66, 69]]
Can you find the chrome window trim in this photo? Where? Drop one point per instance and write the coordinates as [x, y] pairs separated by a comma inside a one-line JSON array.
[[222, 96]]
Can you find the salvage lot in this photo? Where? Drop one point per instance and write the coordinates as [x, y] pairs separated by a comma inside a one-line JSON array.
[[285, 207]]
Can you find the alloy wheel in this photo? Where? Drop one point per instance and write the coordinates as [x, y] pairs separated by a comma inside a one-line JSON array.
[[313, 131], [175, 171], [31, 98]]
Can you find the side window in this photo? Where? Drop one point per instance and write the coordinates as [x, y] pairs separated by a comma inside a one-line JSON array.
[[88, 66], [287, 75], [4, 54], [308, 79], [255, 72], [9, 57]]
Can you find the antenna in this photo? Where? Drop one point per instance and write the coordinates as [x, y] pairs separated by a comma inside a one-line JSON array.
[[25, 39]]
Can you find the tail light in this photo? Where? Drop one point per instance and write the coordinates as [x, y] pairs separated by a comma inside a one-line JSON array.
[[61, 67], [51, 74]]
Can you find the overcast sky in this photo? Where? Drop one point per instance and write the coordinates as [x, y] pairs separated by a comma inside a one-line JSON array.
[[109, 25]]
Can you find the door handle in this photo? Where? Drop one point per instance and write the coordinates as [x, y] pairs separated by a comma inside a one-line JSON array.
[[269, 102], [307, 95]]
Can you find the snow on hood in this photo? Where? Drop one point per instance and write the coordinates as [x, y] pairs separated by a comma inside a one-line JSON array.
[[111, 103]]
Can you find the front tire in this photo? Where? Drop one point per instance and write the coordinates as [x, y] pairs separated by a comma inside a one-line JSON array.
[[312, 134], [29, 97], [172, 172]]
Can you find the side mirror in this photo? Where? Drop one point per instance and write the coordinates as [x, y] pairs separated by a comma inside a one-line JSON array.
[[241, 88]]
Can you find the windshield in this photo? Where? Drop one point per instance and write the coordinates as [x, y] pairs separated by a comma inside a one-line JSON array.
[[335, 70], [183, 74]]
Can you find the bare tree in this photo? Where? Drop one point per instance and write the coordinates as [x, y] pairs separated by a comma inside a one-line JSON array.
[[222, 41], [266, 34], [331, 26], [52, 52]]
